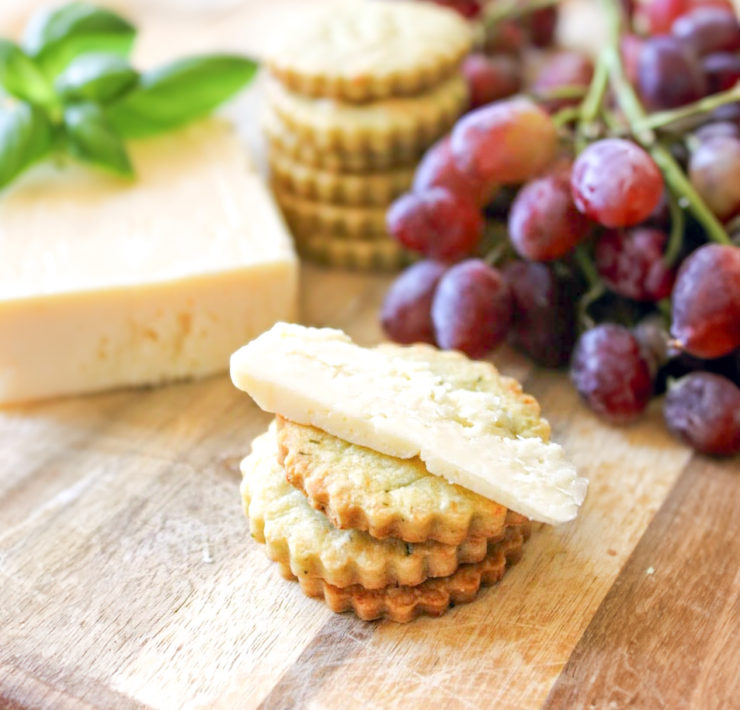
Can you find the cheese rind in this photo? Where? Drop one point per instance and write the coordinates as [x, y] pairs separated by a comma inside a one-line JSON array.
[[401, 408], [106, 284]]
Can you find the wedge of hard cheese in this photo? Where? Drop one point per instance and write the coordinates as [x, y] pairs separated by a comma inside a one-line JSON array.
[[106, 283], [403, 408]]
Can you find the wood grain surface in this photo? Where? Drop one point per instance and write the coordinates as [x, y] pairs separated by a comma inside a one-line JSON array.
[[128, 578]]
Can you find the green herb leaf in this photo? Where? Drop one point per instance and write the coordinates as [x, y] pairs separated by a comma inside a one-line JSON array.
[[55, 37], [20, 76], [96, 77], [178, 93], [25, 136], [92, 139]]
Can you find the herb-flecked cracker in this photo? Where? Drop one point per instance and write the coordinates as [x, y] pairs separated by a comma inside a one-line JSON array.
[[307, 545], [432, 597], [361, 489]]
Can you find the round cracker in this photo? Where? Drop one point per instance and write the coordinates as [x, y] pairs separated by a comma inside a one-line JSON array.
[[379, 254], [358, 488], [304, 542], [351, 221], [372, 188], [432, 597], [283, 141], [400, 122], [372, 50]]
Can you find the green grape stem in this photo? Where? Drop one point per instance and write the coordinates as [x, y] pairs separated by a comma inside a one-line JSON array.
[[696, 110], [675, 239], [512, 9], [591, 104], [560, 92], [596, 288], [627, 99]]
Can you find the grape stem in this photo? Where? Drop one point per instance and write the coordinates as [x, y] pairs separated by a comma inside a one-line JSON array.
[[511, 9], [675, 238], [596, 288], [591, 105], [560, 92], [635, 115], [698, 109], [496, 254], [587, 266], [566, 115]]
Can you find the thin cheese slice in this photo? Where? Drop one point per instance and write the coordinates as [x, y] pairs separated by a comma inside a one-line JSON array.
[[105, 282], [401, 408]]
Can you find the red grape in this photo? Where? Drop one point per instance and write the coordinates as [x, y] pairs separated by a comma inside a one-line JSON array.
[[724, 4], [544, 223], [668, 74], [544, 321], [722, 70], [717, 129], [630, 46], [703, 410], [728, 112], [616, 183], [471, 309], [505, 142], [660, 14], [542, 25], [714, 170], [469, 9], [610, 372], [491, 78], [628, 7], [438, 169], [436, 222], [708, 29], [406, 312], [631, 263], [566, 68], [505, 36], [706, 302]]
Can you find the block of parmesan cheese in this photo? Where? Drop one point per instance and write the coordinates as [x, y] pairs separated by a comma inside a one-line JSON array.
[[375, 399], [105, 282]]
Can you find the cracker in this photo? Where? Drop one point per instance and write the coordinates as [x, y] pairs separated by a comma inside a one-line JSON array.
[[371, 50], [433, 597], [309, 216], [358, 488], [379, 253], [372, 188], [401, 122], [285, 142], [306, 544]]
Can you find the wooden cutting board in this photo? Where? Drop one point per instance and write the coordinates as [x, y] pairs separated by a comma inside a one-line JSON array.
[[128, 578]]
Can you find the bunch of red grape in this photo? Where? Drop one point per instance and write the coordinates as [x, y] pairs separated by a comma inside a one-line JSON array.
[[575, 237]]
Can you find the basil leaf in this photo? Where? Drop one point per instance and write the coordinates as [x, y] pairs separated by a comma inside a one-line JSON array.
[[20, 76], [96, 77], [92, 139], [178, 93], [25, 136], [55, 37]]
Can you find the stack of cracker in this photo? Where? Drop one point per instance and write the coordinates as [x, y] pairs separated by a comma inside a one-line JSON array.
[[354, 98], [380, 535]]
